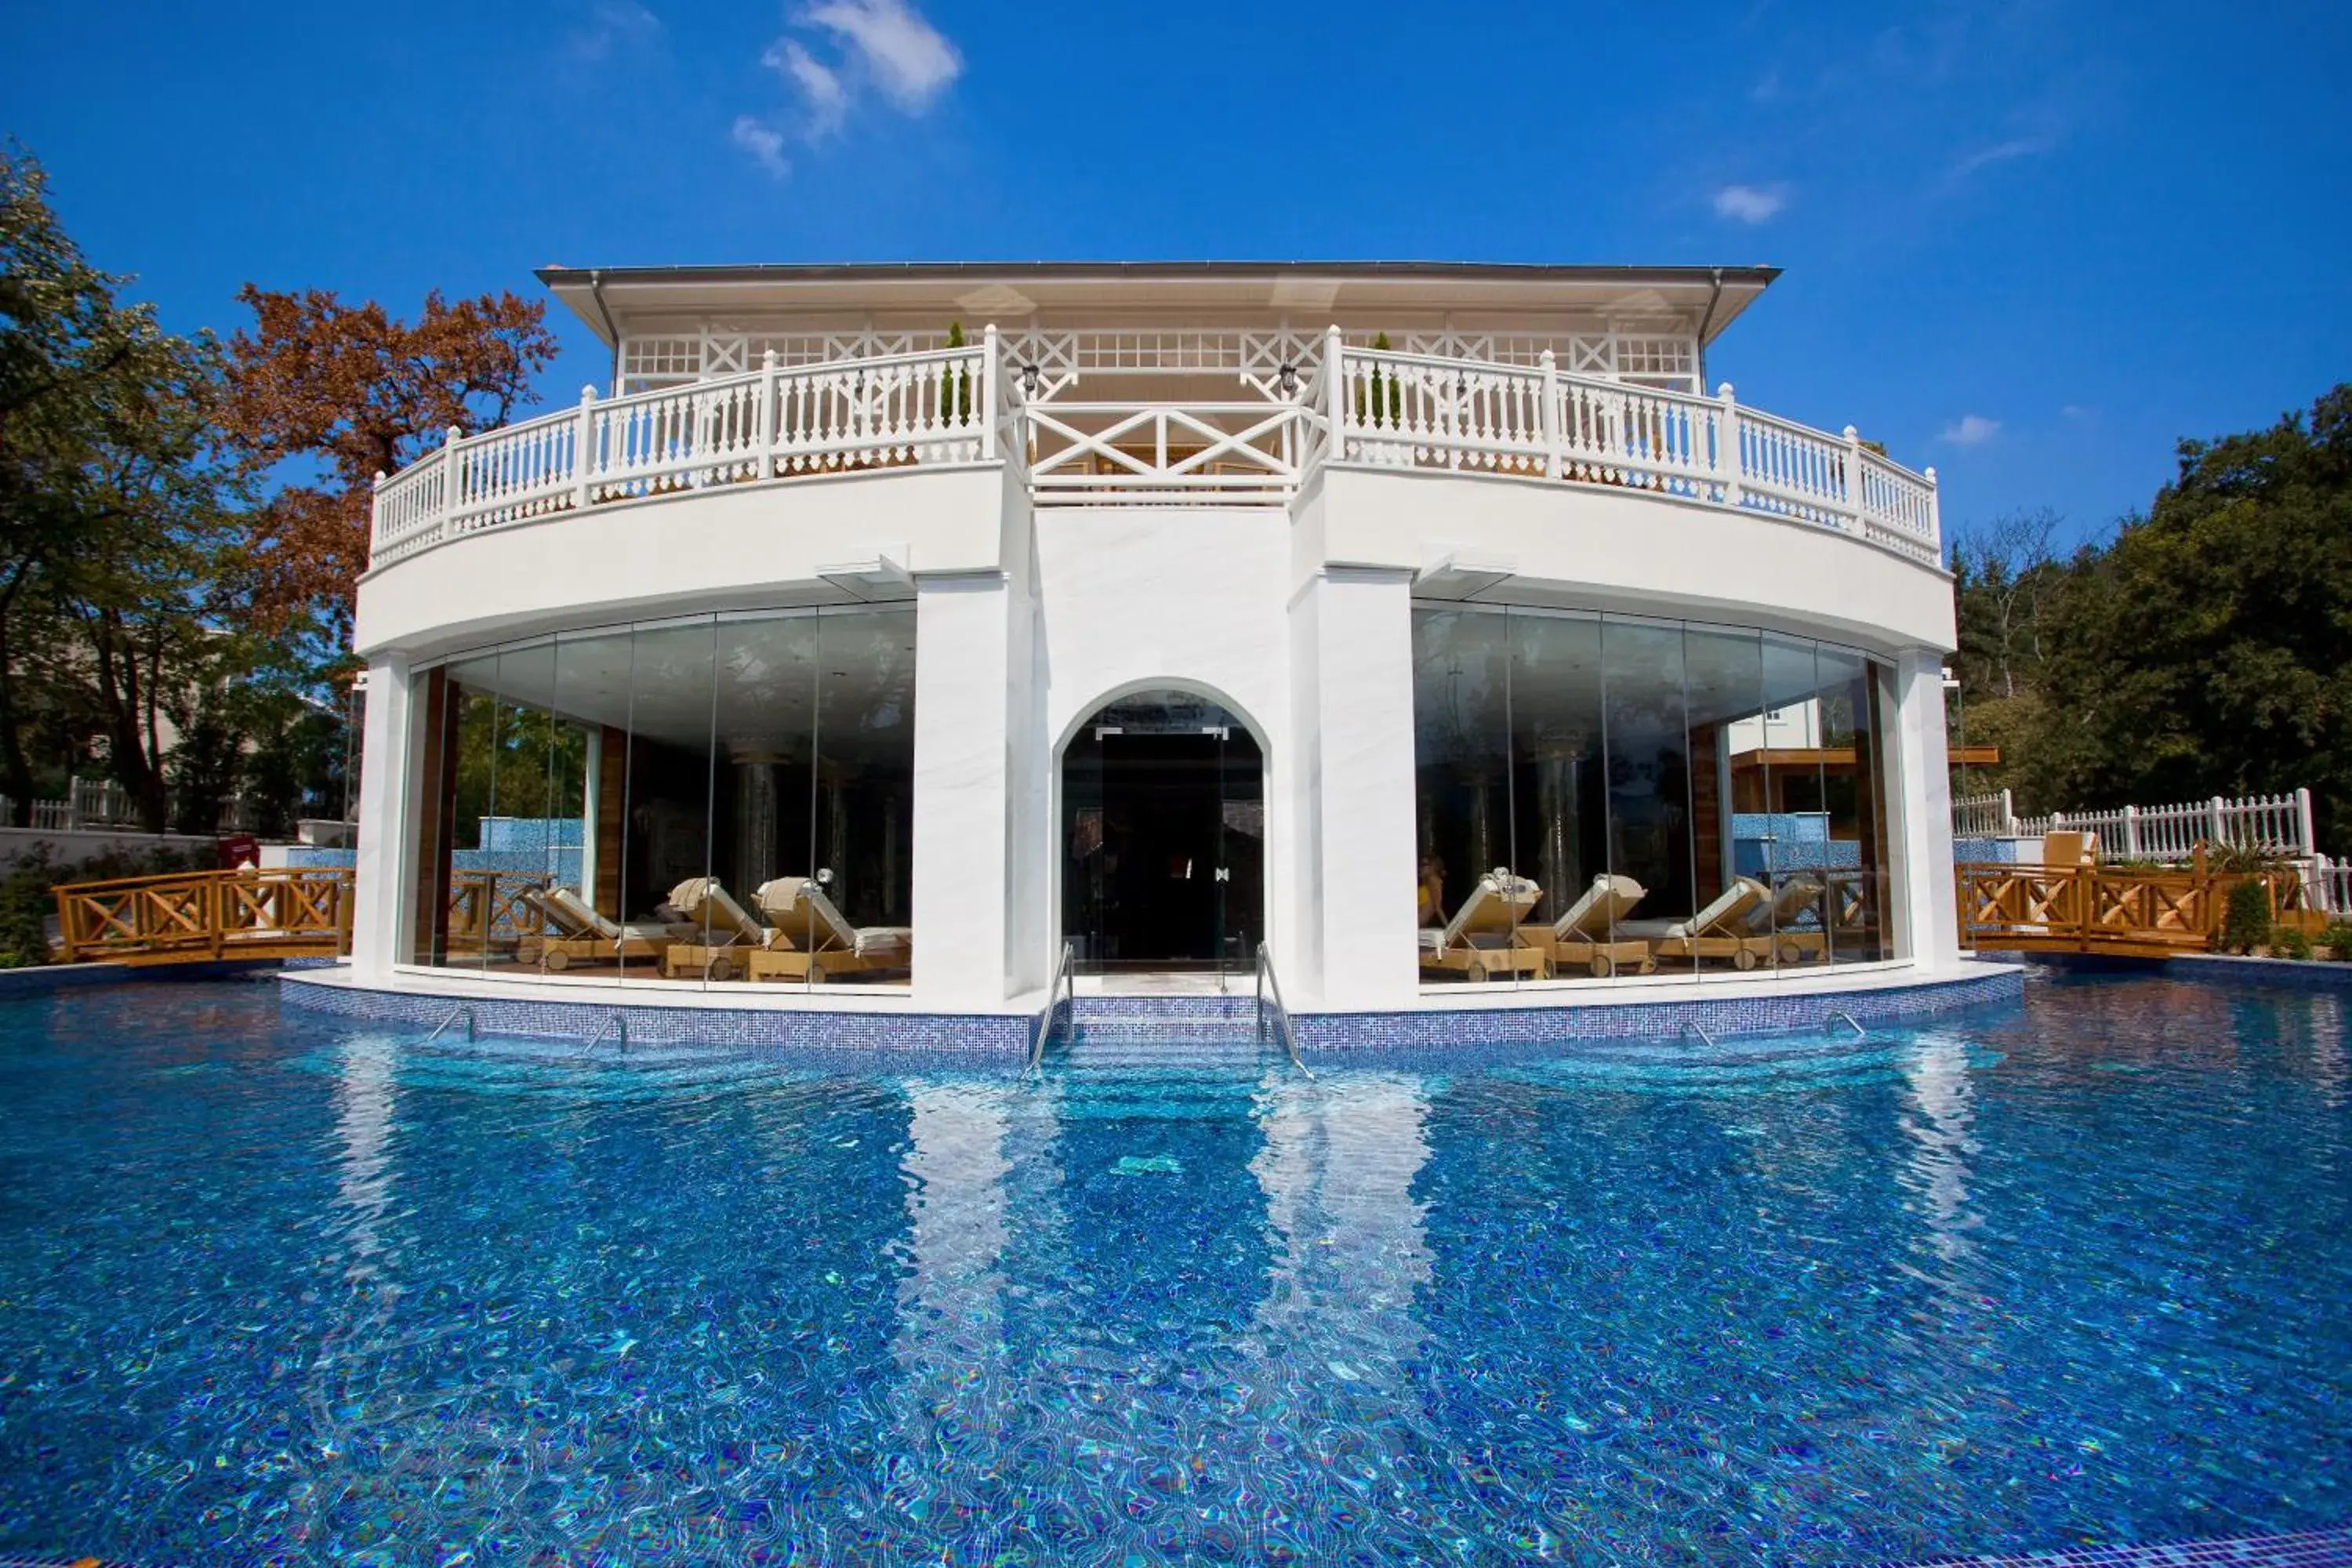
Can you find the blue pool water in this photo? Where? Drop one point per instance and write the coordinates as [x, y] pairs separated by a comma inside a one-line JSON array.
[[275, 1288]]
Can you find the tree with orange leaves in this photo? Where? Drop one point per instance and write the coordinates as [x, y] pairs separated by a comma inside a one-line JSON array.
[[356, 393]]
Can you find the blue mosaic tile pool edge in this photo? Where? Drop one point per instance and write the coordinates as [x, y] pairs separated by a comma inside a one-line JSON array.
[[976, 1037], [1005, 1037]]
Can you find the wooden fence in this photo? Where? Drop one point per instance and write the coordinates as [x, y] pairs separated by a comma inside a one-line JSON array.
[[194, 916], [2094, 908]]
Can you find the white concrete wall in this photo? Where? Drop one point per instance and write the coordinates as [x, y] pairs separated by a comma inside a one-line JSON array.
[[1355, 624], [747, 546], [391, 800], [1922, 818], [1594, 548], [1186, 598], [963, 826]]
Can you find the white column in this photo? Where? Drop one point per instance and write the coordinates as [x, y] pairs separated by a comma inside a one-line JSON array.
[[965, 690], [1352, 637], [1922, 791], [389, 803]]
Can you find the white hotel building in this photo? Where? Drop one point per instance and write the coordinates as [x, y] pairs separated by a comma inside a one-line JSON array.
[[1149, 614]]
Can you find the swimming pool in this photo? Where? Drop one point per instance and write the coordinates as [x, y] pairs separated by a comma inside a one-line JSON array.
[[2077, 1270]]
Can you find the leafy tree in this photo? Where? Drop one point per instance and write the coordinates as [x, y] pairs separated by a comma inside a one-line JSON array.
[[2206, 649], [353, 392], [114, 498]]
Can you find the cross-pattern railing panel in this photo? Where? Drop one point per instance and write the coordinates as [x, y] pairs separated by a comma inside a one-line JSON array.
[[2092, 907], [207, 914]]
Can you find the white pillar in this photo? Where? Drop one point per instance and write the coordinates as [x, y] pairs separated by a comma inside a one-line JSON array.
[[389, 803], [965, 691], [1352, 645], [1922, 789]]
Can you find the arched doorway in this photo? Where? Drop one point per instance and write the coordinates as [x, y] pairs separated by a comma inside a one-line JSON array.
[[1163, 836]]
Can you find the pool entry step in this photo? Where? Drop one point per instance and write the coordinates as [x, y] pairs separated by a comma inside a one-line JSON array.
[[1204, 1033]]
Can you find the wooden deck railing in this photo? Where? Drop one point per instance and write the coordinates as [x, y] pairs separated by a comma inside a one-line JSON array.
[[2095, 909], [192, 916]]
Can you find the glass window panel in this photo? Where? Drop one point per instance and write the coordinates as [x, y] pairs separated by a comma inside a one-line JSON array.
[[589, 772], [668, 836], [462, 899], [1560, 821], [1794, 819], [862, 816], [1462, 758], [765, 759], [1731, 835], [1850, 797], [1646, 734]]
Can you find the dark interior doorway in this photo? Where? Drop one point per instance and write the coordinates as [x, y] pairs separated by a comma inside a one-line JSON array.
[[1163, 829]]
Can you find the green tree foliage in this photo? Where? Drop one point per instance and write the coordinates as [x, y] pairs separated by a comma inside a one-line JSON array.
[[2206, 649], [123, 511], [115, 502]]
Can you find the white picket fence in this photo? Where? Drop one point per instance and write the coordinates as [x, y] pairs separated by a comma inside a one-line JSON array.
[[2275, 824], [102, 803]]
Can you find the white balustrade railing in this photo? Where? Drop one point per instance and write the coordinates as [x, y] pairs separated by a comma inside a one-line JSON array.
[[1422, 412], [773, 423], [967, 404], [2330, 884], [2273, 823]]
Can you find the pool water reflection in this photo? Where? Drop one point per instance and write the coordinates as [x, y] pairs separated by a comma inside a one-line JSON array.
[[272, 1285]]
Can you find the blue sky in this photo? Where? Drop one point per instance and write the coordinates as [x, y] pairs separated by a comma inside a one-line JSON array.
[[2032, 244]]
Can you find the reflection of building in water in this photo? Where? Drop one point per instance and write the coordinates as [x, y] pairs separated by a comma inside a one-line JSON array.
[[1939, 1128], [365, 1094], [950, 1340], [1337, 1171]]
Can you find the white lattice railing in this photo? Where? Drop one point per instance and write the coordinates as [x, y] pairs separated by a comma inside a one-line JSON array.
[[1336, 403], [2275, 823]]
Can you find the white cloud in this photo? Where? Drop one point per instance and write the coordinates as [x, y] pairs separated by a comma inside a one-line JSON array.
[[765, 145], [910, 59], [819, 84], [1751, 203], [1969, 430], [612, 24], [2001, 152], [2076, 411]]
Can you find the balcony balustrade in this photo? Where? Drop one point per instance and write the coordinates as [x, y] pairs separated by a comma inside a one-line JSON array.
[[974, 404]]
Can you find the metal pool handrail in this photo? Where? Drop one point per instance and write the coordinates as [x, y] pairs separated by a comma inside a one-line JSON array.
[[1062, 979], [1268, 980]]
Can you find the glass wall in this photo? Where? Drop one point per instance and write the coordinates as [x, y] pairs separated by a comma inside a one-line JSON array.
[[718, 800], [1607, 796]]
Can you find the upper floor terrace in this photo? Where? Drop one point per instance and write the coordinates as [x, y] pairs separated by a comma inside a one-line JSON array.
[[1229, 385]]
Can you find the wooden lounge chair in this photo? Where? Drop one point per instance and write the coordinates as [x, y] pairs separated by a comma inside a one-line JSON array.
[[810, 939], [585, 936], [1589, 934], [2068, 850], [1483, 938], [723, 936], [1778, 919], [1721, 931]]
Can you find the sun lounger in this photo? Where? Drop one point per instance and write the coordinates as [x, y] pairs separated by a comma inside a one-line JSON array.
[[584, 936], [810, 939], [1589, 934], [1721, 931], [1483, 938], [723, 935], [1782, 918]]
